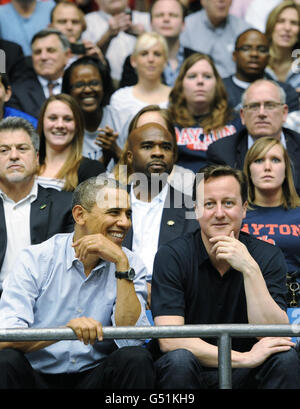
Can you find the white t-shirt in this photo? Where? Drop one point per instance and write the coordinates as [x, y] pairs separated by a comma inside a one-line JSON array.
[[118, 121], [123, 98]]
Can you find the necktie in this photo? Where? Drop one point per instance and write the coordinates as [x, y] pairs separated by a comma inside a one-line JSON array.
[[51, 86]]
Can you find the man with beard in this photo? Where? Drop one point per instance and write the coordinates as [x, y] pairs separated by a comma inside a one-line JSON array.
[[159, 212], [21, 19]]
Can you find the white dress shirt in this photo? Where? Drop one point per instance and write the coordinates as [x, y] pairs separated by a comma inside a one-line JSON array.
[[146, 219], [17, 219], [44, 83]]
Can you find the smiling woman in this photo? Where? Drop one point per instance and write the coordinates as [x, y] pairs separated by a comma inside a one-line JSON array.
[[283, 33], [60, 127], [105, 129]]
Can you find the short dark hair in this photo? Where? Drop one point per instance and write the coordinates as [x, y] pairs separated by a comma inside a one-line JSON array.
[[215, 171], [183, 8], [86, 193], [244, 32], [50, 31], [14, 123]]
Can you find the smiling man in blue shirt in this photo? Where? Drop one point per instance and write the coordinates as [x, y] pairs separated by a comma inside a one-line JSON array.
[[81, 280]]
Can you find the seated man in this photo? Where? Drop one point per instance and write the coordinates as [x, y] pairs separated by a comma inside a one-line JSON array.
[[113, 28], [83, 281], [69, 19], [21, 20], [213, 31], [264, 112], [29, 213], [251, 56], [50, 54], [160, 213], [227, 277]]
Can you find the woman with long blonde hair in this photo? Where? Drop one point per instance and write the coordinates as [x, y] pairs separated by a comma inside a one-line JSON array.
[[61, 130], [200, 111], [283, 33], [149, 58]]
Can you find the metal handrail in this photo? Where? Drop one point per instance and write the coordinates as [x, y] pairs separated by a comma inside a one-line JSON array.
[[224, 333]]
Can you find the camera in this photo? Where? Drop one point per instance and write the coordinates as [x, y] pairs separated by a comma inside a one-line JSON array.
[[78, 48], [128, 11]]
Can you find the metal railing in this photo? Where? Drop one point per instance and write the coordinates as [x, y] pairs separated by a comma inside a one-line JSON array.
[[224, 333]]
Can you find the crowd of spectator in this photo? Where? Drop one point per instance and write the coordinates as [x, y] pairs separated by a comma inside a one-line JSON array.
[[149, 175]]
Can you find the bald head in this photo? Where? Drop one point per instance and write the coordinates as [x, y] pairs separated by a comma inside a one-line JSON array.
[[151, 149]]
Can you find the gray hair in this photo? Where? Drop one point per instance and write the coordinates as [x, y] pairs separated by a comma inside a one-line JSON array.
[[50, 31], [86, 193], [281, 92], [14, 123]]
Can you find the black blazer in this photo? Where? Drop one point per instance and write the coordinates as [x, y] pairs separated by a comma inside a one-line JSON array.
[[15, 61], [50, 214], [232, 151], [234, 93], [27, 96], [129, 76], [173, 222]]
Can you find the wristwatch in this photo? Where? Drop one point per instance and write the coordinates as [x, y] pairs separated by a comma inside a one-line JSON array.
[[128, 275]]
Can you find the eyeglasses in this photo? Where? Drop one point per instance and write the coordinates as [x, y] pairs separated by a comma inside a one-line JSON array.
[[268, 106], [261, 49], [91, 84]]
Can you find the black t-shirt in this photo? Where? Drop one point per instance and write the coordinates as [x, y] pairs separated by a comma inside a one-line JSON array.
[[185, 283]]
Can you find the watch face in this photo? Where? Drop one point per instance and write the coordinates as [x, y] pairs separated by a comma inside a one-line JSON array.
[[131, 274]]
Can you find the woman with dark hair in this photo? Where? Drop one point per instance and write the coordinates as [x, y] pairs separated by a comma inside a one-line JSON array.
[[273, 204], [283, 33], [61, 130], [105, 130], [199, 108]]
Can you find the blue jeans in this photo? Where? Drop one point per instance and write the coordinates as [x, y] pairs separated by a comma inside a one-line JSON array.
[[180, 369]]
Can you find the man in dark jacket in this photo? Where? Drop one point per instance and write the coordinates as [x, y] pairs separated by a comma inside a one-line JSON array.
[[263, 113], [50, 54], [251, 56], [29, 213]]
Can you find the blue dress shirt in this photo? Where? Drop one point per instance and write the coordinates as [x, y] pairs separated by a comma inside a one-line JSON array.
[[47, 287]]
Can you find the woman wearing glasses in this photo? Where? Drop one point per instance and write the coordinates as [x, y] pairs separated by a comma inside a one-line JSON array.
[[105, 130], [60, 128], [199, 108], [283, 33], [273, 211]]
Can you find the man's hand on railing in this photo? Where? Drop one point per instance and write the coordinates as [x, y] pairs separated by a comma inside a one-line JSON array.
[[86, 329]]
